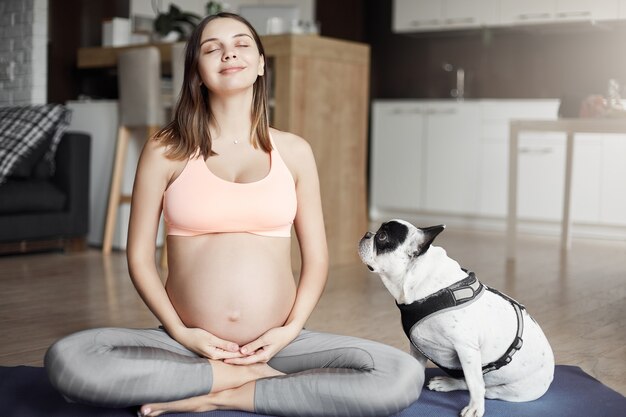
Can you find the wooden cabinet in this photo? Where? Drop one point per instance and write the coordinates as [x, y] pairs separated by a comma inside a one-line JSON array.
[[321, 92]]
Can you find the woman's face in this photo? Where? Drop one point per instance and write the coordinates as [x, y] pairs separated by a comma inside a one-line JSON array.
[[229, 59]]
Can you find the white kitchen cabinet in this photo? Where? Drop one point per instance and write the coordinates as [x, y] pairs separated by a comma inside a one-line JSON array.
[[436, 160], [613, 200], [427, 15], [541, 168], [416, 15], [513, 12], [584, 10], [587, 178], [494, 148], [494, 167], [452, 148], [622, 9], [468, 13], [396, 155]]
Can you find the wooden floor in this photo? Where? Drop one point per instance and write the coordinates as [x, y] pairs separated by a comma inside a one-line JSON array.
[[579, 300]]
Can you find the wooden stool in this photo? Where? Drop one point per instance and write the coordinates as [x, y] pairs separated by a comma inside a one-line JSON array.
[[139, 86]]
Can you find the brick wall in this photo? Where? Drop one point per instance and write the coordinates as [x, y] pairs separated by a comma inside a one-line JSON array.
[[23, 51]]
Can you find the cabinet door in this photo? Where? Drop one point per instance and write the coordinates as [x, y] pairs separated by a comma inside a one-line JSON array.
[[581, 10], [452, 132], [528, 11], [587, 178], [416, 15], [467, 13], [494, 171], [396, 156], [613, 205], [541, 176]]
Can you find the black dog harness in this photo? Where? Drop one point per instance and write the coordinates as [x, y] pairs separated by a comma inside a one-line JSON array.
[[456, 295]]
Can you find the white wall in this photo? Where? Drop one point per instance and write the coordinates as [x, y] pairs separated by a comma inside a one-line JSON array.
[[23, 51]]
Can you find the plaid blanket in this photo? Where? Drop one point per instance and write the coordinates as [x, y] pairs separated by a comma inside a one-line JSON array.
[[23, 129]]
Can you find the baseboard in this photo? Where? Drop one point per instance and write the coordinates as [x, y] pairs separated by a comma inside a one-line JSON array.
[[485, 223], [73, 244]]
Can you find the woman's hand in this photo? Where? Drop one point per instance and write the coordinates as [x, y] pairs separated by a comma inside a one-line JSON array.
[[265, 347], [206, 344]]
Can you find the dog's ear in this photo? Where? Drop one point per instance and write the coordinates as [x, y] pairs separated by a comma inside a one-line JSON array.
[[428, 236]]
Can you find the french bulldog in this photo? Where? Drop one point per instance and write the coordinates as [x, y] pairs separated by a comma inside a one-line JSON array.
[[486, 340]]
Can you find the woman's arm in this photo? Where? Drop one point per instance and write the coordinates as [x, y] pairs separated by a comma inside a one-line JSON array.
[[154, 172], [309, 226]]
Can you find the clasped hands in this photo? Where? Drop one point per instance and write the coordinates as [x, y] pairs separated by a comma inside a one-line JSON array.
[[260, 350]]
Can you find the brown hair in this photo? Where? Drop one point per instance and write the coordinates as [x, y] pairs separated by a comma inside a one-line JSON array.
[[189, 132]]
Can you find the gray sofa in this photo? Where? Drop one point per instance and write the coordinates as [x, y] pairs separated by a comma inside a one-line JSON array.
[[50, 210]]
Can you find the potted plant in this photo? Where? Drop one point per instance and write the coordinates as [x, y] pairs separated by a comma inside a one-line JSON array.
[[175, 24]]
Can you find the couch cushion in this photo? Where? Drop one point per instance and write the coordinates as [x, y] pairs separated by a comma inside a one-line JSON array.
[[29, 134], [20, 196]]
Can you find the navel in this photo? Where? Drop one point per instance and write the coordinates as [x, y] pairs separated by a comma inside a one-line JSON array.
[[234, 316]]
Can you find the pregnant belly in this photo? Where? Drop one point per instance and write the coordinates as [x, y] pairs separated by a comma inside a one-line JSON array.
[[234, 300]]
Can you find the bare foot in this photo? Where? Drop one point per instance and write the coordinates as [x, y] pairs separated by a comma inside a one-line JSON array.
[[241, 398], [193, 404]]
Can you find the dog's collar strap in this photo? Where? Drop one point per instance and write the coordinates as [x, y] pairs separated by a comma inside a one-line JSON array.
[[459, 293]]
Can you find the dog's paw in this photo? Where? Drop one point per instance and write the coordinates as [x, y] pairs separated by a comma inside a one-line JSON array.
[[472, 411], [445, 384]]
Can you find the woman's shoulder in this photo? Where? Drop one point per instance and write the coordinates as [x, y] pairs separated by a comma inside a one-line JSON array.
[[296, 152], [289, 145], [155, 157]]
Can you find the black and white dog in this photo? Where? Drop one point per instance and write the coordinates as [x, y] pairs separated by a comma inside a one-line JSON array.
[[485, 340]]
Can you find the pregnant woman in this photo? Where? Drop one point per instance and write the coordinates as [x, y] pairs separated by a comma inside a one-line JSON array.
[[232, 337]]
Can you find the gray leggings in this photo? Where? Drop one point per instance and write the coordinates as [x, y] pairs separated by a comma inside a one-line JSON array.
[[326, 374]]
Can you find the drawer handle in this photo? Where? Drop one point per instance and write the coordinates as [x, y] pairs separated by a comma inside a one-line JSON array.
[[409, 111], [444, 111], [528, 16], [574, 14], [459, 20], [417, 23], [535, 151]]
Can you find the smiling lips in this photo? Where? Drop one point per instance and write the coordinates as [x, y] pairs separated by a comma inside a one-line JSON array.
[[231, 70]]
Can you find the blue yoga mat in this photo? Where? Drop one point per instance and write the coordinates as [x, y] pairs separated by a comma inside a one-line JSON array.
[[26, 392]]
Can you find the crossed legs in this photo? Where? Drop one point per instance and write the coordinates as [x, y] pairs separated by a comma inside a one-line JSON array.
[[324, 374]]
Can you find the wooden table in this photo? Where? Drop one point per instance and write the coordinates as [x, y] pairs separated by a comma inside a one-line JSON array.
[[106, 56], [570, 127]]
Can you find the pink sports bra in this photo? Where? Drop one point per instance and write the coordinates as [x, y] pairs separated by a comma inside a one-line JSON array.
[[199, 202]]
